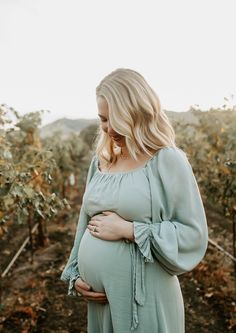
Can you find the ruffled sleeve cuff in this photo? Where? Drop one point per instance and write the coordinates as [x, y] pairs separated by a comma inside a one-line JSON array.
[[142, 237], [70, 276], [71, 288]]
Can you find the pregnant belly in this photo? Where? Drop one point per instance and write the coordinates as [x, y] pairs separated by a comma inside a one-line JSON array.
[[103, 263]]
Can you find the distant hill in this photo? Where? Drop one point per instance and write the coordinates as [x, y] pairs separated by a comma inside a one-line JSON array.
[[67, 126]]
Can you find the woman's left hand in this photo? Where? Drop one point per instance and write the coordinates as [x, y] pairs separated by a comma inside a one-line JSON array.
[[110, 226]]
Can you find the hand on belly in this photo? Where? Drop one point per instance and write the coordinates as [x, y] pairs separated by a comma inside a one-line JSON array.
[[110, 226], [85, 290]]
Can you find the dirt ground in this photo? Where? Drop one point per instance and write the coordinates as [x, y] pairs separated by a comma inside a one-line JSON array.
[[34, 300]]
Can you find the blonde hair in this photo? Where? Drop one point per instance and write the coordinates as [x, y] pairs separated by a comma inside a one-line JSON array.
[[134, 112]]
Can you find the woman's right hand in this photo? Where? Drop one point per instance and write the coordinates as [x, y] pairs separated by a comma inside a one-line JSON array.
[[85, 290]]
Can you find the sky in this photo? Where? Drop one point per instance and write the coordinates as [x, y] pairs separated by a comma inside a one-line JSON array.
[[55, 52]]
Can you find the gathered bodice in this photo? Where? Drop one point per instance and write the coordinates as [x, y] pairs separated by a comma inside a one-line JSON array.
[[125, 193]]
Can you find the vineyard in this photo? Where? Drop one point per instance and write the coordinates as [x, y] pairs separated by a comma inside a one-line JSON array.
[[41, 186]]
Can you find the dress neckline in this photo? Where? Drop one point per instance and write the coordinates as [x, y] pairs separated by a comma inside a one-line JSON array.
[[128, 171]]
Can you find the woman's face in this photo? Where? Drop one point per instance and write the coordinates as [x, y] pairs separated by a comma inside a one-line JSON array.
[[103, 113]]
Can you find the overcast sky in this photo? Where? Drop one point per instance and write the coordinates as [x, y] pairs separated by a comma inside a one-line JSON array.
[[55, 52]]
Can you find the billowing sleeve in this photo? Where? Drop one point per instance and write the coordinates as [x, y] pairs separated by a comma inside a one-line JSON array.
[[178, 239], [70, 272]]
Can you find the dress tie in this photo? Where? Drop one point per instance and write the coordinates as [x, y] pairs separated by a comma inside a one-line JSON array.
[[138, 283]]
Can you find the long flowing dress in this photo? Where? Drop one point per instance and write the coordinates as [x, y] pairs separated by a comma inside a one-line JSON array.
[[163, 201]]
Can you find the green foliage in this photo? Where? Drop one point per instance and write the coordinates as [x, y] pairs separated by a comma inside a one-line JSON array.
[[72, 156], [25, 171], [211, 147]]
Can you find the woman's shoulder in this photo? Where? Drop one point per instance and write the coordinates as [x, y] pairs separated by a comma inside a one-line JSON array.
[[170, 157], [171, 152]]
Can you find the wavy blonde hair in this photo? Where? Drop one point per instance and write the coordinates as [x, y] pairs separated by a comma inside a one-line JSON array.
[[134, 112]]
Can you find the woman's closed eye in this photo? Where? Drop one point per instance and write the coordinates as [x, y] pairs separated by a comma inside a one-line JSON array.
[[103, 120]]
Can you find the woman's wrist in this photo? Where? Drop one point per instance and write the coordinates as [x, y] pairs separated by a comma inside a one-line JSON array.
[[128, 231]]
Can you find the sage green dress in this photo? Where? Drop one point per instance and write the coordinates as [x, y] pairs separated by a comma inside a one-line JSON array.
[[162, 200]]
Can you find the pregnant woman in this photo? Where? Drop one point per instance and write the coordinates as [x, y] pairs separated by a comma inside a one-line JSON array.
[[142, 221]]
